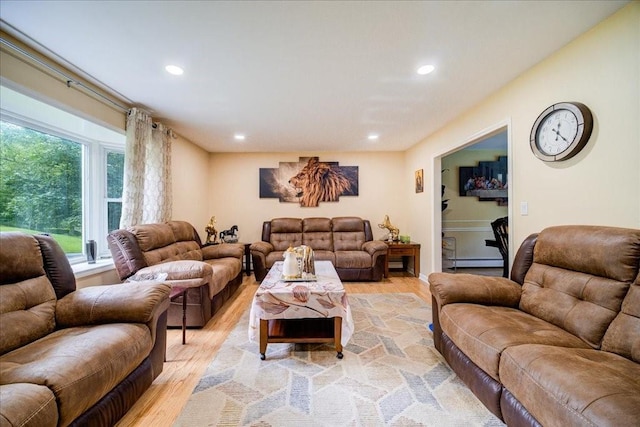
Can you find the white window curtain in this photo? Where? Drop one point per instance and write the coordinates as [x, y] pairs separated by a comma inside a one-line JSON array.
[[146, 193]]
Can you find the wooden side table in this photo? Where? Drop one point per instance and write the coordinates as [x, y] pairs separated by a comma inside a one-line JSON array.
[[403, 250]]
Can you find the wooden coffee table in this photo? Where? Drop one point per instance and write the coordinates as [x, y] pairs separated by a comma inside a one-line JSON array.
[[301, 311]]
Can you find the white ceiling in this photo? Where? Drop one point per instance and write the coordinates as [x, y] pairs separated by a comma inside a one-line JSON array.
[[303, 76]]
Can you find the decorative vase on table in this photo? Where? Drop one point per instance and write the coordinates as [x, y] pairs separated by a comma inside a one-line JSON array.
[[290, 269], [91, 251]]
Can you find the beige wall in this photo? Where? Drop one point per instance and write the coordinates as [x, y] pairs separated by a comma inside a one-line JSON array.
[[234, 193], [191, 184], [600, 185]]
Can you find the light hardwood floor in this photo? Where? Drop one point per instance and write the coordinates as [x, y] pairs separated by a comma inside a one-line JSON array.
[[163, 401]]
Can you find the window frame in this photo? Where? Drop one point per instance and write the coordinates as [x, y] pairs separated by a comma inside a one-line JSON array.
[[94, 176]]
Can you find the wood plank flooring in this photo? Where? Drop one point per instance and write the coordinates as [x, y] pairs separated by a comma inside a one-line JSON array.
[[163, 401]]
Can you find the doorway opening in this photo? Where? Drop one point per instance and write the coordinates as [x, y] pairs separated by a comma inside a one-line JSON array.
[[474, 194]]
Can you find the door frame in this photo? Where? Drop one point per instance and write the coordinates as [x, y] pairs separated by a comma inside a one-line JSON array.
[[436, 226]]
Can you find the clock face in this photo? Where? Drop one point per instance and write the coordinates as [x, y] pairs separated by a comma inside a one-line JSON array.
[[557, 131], [561, 131]]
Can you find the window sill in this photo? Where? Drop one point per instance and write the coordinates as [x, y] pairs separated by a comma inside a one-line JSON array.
[[85, 269]]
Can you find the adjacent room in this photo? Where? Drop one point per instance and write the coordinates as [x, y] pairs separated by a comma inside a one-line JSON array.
[[346, 213]]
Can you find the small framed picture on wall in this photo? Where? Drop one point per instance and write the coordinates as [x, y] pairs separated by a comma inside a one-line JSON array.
[[419, 181]]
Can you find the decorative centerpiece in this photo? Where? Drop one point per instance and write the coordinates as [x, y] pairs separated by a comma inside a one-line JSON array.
[[394, 232], [299, 263], [212, 233]]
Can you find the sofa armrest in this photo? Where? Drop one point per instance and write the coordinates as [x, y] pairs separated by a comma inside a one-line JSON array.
[[141, 302], [449, 288], [375, 248], [223, 250], [264, 248]]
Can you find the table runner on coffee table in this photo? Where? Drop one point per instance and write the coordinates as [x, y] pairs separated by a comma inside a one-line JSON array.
[[280, 299]]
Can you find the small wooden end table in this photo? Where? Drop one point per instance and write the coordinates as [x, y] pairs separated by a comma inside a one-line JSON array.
[[403, 250]]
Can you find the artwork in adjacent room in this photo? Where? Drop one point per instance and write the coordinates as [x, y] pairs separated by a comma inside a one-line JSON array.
[[419, 181], [308, 181], [487, 181]]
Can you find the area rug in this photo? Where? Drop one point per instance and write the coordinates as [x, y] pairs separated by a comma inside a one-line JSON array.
[[391, 375]]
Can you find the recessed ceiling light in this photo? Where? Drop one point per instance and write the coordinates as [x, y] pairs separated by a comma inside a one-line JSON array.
[[239, 137], [174, 69], [425, 69], [373, 137]]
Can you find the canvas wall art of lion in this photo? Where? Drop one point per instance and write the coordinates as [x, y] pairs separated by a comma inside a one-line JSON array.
[[309, 181]]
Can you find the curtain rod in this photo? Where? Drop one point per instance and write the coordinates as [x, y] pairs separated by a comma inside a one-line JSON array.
[[69, 80]]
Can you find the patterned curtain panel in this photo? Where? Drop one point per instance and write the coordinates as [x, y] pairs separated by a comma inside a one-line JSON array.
[[146, 193]]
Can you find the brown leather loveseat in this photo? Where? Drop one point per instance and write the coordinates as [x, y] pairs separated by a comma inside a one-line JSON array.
[[174, 250], [67, 356], [558, 344], [345, 241]]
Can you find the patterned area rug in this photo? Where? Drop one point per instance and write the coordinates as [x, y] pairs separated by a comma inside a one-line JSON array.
[[391, 375]]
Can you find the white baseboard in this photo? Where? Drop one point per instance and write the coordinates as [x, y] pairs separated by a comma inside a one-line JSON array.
[[477, 262]]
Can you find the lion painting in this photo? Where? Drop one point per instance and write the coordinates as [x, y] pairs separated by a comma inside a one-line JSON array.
[[308, 181], [319, 182]]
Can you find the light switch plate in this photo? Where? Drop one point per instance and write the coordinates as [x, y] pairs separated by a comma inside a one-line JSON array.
[[524, 208]]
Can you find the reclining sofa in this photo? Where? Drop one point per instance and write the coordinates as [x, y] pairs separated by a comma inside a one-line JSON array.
[[558, 344], [345, 241], [174, 251], [67, 356]]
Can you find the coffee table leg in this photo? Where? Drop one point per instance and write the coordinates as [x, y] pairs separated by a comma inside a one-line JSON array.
[[264, 332], [337, 335]]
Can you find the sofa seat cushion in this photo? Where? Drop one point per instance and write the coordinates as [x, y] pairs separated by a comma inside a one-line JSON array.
[[80, 365], [573, 387], [224, 270], [484, 332], [325, 256], [175, 270], [27, 405], [352, 259]]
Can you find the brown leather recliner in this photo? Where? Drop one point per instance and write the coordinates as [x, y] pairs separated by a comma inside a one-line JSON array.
[[174, 250], [67, 356], [558, 344], [345, 241]]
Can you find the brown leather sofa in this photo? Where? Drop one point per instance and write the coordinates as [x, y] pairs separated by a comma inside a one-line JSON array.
[[345, 241], [67, 356], [558, 344], [174, 250]]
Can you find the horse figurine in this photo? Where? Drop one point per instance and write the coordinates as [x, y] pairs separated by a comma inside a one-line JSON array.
[[230, 235], [393, 231], [212, 233]]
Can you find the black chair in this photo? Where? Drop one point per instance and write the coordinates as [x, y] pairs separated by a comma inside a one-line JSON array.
[[501, 232]]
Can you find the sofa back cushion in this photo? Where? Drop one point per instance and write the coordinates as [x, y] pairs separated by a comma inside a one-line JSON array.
[[27, 299], [348, 233], [623, 335], [286, 232], [187, 240], [317, 234], [579, 277], [159, 243]]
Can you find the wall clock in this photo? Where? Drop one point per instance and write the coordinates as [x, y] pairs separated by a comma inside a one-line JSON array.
[[561, 131]]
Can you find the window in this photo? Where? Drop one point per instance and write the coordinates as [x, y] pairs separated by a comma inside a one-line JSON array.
[[57, 180], [115, 175]]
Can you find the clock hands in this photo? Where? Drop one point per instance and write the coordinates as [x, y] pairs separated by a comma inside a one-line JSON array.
[[557, 131]]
